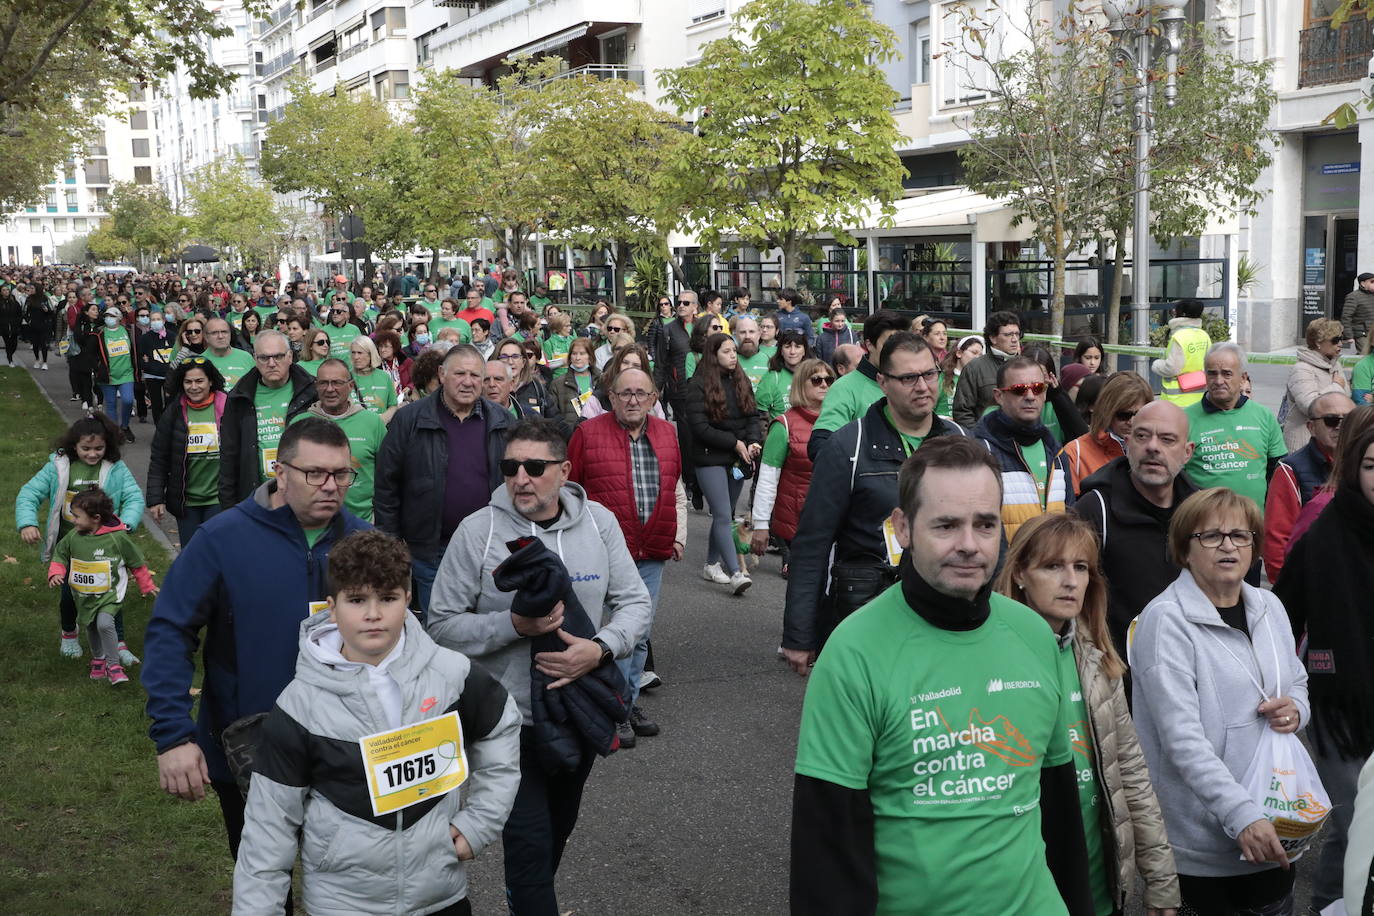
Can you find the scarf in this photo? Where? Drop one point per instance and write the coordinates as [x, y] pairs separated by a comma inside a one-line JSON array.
[[944, 611], [201, 405], [1327, 581], [1003, 426]]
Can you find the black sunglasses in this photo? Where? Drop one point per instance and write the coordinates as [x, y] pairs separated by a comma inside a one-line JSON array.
[[1123, 415], [534, 467], [1332, 421]]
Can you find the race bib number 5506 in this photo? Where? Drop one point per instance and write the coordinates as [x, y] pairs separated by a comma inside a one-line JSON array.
[[415, 763]]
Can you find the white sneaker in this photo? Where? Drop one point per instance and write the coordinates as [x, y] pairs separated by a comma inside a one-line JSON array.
[[648, 680], [127, 658], [712, 572], [70, 645], [740, 582], [45, 367]]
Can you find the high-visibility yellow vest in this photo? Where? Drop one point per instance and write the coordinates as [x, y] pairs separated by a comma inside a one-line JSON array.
[[1195, 343]]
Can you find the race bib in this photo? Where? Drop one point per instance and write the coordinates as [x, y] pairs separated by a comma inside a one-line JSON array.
[[894, 549], [164, 355], [317, 607], [119, 347], [269, 462], [415, 763], [558, 360], [202, 439], [90, 577], [583, 398]]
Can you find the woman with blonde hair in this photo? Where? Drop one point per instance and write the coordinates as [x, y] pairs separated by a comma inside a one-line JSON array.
[[376, 389], [1121, 399], [1317, 372], [1052, 566]]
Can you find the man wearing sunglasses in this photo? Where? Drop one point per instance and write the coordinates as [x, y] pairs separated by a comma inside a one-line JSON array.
[[670, 375], [468, 613], [439, 463], [1035, 476], [1299, 475], [853, 492], [341, 329]]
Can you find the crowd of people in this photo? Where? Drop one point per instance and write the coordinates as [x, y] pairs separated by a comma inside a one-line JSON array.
[[424, 529]]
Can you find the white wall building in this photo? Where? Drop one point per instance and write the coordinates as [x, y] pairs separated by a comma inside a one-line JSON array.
[[121, 149]]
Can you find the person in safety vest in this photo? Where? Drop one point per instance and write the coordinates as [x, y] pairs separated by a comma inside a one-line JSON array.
[[1180, 370]]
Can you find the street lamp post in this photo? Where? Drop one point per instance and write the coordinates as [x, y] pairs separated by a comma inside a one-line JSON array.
[[1140, 23], [53, 240]]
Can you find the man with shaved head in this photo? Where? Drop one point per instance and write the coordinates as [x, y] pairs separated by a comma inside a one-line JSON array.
[[1129, 503]]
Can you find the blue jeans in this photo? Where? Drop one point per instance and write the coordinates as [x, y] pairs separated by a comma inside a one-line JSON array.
[[632, 666], [423, 573], [191, 518], [126, 402]]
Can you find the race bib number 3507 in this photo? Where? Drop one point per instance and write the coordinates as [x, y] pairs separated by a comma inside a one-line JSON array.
[[415, 763]]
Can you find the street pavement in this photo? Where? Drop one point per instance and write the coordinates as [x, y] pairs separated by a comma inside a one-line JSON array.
[[696, 820]]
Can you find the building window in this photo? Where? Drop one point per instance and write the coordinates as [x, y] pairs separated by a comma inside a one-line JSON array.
[[394, 84], [35, 225], [138, 120], [51, 202], [71, 200], [141, 150], [102, 200], [97, 171], [703, 10], [964, 79], [59, 225], [422, 53], [920, 52], [138, 93], [143, 174], [388, 21], [80, 223]]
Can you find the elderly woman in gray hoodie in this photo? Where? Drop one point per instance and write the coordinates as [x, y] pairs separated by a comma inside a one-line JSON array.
[[1214, 664], [1317, 372]]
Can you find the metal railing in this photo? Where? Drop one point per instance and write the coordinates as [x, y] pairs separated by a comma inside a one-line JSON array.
[[598, 71], [276, 18], [346, 53], [276, 64], [1327, 55]]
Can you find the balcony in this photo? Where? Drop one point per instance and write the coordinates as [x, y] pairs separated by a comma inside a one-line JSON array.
[[1327, 55], [276, 18], [246, 150], [599, 72], [346, 53], [276, 65]]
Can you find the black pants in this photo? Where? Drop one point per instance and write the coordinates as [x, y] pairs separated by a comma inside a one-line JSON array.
[[83, 385], [157, 397], [11, 344], [40, 347], [678, 403], [140, 399], [1266, 893], [538, 828]]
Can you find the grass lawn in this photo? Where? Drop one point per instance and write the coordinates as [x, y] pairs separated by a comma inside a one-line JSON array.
[[83, 825]]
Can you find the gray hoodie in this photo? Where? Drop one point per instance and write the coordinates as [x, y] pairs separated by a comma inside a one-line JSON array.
[[1195, 711], [468, 613], [309, 786]]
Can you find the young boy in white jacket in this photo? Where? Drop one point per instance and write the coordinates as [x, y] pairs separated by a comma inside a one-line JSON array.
[[357, 768]]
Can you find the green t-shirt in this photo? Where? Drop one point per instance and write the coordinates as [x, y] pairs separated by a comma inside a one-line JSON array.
[[98, 568], [365, 431], [235, 319], [202, 457], [265, 312], [774, 394], [770, 350], [1075, 717], [756, 367], [377, 390], [948, 732], [464, 329], [909, 443], [1233, 448], [233, 365], [1362, 380], [584, 382], [1051, 421], [311, 365], [339, 340], [120, 350], [1037, 462], [80, 476], [849, 398], [312, 535], [775, 445], [538, 302], [556, 352], [271, 404]]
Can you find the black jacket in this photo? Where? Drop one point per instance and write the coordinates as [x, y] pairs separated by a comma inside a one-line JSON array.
[[412, 472], [853, 489], [713, 442], [240, 467], [150, 361], [167, 462], [40, 320], [1134, 535], [670, 362], [537, 400], [11, 314]]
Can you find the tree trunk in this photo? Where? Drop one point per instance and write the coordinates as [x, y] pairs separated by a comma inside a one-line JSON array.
[[791, 260], [1057, 301], [434, 266], [1113, 329], [622, 262]]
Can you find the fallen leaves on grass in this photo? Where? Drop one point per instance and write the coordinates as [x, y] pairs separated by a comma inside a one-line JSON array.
[[9, 559]]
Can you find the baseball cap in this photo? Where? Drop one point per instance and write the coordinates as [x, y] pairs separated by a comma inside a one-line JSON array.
[[114, 311], [340, 278]]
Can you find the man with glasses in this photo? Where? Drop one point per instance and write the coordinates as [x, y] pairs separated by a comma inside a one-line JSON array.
[[1129, 502], [974, 394], [231, 362], [244, 583], [1238, 442], [468, 613], [365, 430], [855, 392], [627, 460], [256, 414], [342, 332], [853, 492], [339, 287], [477, 307], [439, 463], [1035, 476], [430, 299]]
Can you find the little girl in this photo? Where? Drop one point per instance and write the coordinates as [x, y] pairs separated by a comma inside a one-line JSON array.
[[94, 560], [86, 456]]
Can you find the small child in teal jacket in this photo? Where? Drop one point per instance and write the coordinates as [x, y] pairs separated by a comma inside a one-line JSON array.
[[86, 456]]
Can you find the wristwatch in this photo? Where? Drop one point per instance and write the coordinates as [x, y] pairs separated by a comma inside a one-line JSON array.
[[606, 653]]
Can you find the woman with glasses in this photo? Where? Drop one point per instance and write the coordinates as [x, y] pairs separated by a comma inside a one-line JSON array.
[[620, 332], [1053, 567], [774, 394], [1213, 665], [768, 334], [190, 340], [784, 468], [316, 350], [1121, 399], [183, 469], [653, 328], [726, 441], [1317, 372]]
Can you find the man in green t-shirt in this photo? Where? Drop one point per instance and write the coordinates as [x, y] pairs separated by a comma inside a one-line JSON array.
[[340, 330], [752, 360], [365, 431], [932, 741], [231, 362], [853, 393], [1238, 442]]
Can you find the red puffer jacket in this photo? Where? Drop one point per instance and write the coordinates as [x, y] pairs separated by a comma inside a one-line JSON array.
[[795, 478], [600, 456]]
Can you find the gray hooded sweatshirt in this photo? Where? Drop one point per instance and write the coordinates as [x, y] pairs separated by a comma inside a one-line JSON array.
[[1195, 705], [309, 786], [469, 614]]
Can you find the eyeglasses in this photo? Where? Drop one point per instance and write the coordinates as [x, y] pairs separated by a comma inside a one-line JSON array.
[[615, 328], [1035, 388], [1123, 416], [332, 383], [511, 357], [1332, 421], [634, 397], [909, 380], [1334, 340], [824, 380], [269, 357], [685, 302], [534, 467], [1212, 539], [126, 301], [189, 331], [195, 361], [316, 477]]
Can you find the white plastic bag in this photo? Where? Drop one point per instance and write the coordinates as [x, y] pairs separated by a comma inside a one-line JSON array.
[[1284, 781]]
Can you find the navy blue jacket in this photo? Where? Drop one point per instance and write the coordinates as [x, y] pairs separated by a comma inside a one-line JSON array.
[[247, 579]]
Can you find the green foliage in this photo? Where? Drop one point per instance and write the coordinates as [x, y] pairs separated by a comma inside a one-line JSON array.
[[1247, 273], [142, 217], [795, 134], [1215, 326], [34, 142], [104, 245], [647, 280], [235, 212]]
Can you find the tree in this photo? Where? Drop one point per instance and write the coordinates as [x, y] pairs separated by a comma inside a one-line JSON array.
[[34, 142], [104, 245], [795, 127], [233, 210], [142, 216]]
